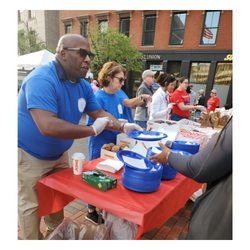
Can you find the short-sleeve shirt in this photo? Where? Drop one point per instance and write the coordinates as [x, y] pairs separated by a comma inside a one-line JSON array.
[[178, 97], [46, 88], [127, 111], [212, 103], [113, 105]]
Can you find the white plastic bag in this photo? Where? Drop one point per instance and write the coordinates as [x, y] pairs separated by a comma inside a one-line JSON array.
[[74, 230], [119, 228]]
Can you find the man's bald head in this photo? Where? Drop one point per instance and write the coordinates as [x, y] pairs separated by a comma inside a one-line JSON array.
[[69, 41]]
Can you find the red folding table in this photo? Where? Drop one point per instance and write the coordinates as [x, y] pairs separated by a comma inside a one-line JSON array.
[[148, 210]]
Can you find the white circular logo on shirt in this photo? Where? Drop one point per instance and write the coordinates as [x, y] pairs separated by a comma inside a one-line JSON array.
[[120, 108], [81, 104]]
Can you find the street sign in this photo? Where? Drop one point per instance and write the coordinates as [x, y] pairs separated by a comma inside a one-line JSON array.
[[156, 67]]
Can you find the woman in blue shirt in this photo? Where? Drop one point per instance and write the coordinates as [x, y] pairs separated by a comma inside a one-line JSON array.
[[111, 79]]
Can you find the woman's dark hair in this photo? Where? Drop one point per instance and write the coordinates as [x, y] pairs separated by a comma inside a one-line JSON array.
[[183, 78], [188, 90], [165, 78]]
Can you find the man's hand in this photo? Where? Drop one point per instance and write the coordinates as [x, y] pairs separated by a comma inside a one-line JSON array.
[[161, 158], [100, 124], [131, 127]]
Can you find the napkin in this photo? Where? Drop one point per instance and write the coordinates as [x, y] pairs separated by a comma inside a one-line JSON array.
[[139, 163], [109, 165]]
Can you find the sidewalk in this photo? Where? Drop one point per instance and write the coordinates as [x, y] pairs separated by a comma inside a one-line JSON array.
[[176, 228]]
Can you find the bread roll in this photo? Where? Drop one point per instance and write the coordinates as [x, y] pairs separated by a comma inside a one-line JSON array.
[[106, 147], [123, 146], [115, 148]]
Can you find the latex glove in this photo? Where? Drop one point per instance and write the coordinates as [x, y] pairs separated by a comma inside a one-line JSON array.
[[131, 127], [100, 124], [201, 108], [170, 106]]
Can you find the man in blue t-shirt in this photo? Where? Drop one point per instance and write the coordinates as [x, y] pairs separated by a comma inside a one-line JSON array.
[[51, 102]]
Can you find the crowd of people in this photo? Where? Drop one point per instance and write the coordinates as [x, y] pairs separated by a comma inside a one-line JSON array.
[[54, 97]]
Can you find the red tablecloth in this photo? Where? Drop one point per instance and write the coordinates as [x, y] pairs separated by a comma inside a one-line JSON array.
[[149, 210]]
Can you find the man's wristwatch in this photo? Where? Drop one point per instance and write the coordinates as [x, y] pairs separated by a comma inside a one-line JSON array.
[[142, 98]]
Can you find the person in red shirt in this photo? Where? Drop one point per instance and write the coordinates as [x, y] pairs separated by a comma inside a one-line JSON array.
[[182, 102], [213, 102]]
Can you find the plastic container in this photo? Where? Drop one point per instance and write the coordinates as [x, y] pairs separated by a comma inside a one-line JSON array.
[[168, 173], [190, 147]]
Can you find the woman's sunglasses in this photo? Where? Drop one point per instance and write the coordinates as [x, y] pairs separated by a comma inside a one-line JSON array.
[[121, 80], [83, 53]]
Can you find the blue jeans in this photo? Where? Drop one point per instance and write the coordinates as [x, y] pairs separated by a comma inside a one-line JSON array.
[[90, 206], [143, 124], [176, 117], [197, 113]]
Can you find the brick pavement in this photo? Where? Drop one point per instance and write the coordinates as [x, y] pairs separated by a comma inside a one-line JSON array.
[[175, 228]]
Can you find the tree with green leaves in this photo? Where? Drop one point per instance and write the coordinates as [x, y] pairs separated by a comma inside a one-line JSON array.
[[111, 45], [29, 41]]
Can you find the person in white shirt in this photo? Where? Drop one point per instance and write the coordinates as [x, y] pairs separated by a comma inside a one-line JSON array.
[[161, 106]]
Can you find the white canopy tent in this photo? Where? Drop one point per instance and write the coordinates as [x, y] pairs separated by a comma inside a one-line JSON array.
[[26, 63], [34, 60]]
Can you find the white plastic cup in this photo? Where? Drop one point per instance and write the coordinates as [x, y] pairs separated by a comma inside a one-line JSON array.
[[78, 162]]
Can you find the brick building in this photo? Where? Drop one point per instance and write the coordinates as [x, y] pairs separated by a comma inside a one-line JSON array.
[[193, 43], [44, 22]]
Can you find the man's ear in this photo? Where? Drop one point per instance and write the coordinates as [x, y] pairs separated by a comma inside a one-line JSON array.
[[63, 54]]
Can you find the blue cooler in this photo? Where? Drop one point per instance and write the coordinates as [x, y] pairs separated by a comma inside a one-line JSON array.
[[168, 173], [138, 179], [187, 146]]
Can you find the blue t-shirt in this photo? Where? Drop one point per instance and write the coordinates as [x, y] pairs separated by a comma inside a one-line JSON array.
[[127, 112], [46, 88], [113, 105]]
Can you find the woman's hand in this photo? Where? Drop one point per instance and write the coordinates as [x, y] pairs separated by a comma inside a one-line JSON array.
[[162, 157]]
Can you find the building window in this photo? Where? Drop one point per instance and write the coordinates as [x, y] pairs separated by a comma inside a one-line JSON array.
[[149, 30], [20, 16], [68, 29], [103, 19], [210, 27], [67, 22], [177, 28], [199, 75], [83, 23], [174, 68], [222, 80], [124, 26], [84, 29], [31, 14], [124, 17], [104, 25]]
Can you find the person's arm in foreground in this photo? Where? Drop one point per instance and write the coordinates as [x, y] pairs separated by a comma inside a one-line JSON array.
[[136, 101], [198, 167], [50, 125]]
